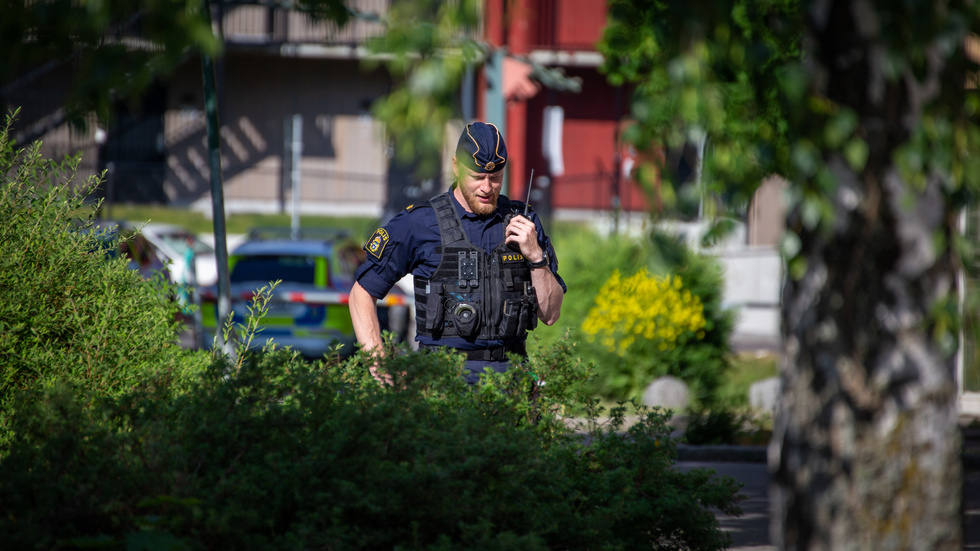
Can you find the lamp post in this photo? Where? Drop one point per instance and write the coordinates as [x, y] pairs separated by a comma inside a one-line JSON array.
[[217, 193]]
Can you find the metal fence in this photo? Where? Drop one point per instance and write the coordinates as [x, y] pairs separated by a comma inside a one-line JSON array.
[[252, 23]]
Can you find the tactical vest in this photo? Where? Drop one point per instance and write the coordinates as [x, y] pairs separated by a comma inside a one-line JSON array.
[[472, 294]]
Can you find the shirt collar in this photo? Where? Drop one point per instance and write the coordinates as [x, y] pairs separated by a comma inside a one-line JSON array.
[[463, 213]]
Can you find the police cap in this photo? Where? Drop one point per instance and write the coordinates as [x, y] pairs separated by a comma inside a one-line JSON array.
[[481, 148]]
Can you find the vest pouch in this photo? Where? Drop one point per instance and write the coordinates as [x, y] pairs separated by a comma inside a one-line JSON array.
[[525, 315], [496, 297], [434, 309], [532, 317], [512, 320], [466, 319], [531, 309]]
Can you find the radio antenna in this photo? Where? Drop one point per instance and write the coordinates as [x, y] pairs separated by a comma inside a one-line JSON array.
[[527, 202]]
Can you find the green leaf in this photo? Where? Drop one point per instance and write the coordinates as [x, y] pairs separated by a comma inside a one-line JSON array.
[[790, 245], [856, 153], [839, 128], [797, 268]]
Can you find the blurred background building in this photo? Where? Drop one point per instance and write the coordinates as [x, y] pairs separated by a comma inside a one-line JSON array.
[[280, 64], [293, 90]]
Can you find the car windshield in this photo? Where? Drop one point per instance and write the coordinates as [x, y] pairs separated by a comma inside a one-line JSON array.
[[290, 269], [178, 241]]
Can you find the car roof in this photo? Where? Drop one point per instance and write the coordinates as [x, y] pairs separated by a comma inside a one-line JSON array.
[[300, 234], [159, 227], [129, 225], [284, 247]]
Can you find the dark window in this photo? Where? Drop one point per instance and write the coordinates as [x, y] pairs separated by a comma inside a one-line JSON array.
[[290, 269]]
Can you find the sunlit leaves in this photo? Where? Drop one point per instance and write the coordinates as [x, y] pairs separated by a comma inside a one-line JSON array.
[[91, 34], [840, 127], [713, 70], [856, 153], [790, 245], [427, 47], [793, 82], [331, 10], [734, 70], [806, 158]]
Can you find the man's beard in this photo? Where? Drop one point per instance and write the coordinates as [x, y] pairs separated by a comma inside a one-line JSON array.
[[474, 203]]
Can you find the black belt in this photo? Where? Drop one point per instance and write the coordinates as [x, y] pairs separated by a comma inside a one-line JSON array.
[[493, 354]]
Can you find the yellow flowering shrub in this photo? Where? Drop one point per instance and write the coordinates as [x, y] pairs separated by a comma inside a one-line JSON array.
[[644, 308], [636, 325]]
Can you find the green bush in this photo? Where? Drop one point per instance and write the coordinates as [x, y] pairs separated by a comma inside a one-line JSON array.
[[284, 454], [717, 426], [705, 362], [68, 312], [701, 358], [116, 438], [585, 261], [746, 369]]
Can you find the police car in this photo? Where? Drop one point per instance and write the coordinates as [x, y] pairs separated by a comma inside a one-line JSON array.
[[308, 311]]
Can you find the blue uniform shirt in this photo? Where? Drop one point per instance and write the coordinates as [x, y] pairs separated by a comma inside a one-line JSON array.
[[407, 245]]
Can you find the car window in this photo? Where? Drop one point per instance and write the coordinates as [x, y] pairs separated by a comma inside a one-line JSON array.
[[290, 269], [179, 240], [201, 247]]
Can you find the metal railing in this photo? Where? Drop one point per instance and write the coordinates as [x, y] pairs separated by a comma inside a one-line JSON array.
[[255, 23]]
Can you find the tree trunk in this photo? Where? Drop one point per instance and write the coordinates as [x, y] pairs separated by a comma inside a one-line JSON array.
[[866, 451]]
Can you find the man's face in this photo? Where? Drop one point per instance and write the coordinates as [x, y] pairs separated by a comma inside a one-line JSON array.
[[479, 190]]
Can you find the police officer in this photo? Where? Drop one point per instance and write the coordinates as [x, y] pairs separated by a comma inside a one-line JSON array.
[[484, 272]]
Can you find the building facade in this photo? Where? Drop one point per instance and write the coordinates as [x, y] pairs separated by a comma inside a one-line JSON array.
[[279, 65], [280, 68]]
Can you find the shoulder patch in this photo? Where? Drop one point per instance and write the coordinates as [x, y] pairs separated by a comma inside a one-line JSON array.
[[376, 244]]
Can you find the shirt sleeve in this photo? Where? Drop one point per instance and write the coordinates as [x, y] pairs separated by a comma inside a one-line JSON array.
[[389, 251]]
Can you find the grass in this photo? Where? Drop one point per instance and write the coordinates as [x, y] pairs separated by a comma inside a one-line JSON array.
[[360, 227], [747, 368]]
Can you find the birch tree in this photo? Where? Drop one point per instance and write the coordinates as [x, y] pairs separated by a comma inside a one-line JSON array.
[[868, 109]]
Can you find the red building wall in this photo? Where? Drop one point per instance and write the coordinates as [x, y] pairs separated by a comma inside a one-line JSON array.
[[590, 145], [593, 162], [579, 23]]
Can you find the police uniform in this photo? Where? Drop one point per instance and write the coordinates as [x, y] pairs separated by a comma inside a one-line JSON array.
[[472, 292]]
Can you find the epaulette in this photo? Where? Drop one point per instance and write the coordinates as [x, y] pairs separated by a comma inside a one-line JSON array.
[[414, 206]]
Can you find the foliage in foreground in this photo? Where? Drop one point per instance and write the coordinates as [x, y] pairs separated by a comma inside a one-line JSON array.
[[68, 311], [115, 438], [282, 454]]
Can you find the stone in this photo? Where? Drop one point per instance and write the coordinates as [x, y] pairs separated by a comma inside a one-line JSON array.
[[764, 394], [667, 392]]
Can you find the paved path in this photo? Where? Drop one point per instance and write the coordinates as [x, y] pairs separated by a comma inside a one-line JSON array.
[[750, 532]]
